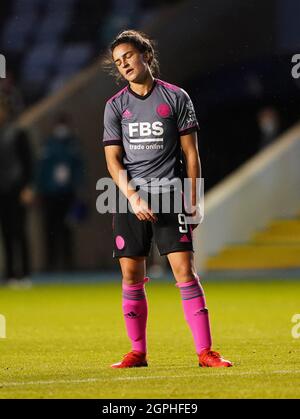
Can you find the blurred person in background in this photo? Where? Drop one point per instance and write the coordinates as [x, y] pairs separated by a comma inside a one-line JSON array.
[[10, 92], [268, 120], [16, 176], [149, 110], [58, 184]]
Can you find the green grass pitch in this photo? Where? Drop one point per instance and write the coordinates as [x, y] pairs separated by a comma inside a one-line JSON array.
[[61, 340]]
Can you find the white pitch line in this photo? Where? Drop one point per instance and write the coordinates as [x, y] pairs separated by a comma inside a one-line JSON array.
[[158, 377]]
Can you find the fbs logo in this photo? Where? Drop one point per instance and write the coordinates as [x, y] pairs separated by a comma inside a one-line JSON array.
[[143, 129], [131, 315]]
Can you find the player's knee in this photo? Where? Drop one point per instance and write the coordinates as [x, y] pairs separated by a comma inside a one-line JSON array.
[[183, 274], [132, 277]]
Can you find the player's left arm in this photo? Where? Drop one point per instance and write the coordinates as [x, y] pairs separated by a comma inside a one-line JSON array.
[[189, 144]]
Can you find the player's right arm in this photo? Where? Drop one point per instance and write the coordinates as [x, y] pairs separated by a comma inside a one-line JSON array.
[[113, 155], [112, 140]]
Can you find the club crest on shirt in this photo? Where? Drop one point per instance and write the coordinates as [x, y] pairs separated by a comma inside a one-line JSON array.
[[163, 110]]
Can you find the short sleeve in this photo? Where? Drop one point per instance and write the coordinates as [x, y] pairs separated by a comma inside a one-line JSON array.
[[186, 117], [112, 134]]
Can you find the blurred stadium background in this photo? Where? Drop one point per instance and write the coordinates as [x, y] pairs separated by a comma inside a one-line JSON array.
[[234, 59]]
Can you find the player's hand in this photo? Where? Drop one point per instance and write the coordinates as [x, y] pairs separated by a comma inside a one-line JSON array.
[[195, 218], [141, 209]]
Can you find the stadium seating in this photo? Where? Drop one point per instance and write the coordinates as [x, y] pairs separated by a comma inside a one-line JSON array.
[[275, 247], [72, 58], [17, 31], [39, 63], [48, 42]]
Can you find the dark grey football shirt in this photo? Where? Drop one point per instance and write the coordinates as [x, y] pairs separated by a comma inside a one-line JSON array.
[[149, 129]]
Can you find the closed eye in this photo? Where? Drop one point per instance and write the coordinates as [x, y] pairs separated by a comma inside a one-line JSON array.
[[127, 55]]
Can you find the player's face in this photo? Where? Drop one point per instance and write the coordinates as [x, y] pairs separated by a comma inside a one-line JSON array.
[[130, 62]]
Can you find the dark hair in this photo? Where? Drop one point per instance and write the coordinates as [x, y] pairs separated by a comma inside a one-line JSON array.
[[141, 42]]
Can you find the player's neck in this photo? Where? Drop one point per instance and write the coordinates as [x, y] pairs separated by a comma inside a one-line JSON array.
[[144, 87]]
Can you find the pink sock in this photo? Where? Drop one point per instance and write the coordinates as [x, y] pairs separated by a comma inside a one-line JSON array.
[[135, 309], [195, 313]]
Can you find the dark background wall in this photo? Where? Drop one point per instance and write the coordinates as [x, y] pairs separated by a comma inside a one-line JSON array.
[[232, 57]]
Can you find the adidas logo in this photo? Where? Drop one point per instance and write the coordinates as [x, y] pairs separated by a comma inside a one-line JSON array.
[[127, 114], [131, 315], [201, 311], [184, 239]]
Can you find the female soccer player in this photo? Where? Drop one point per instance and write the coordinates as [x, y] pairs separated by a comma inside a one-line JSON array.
[[146, 127]]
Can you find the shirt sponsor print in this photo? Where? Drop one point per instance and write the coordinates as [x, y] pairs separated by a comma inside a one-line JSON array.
[[149, 135]]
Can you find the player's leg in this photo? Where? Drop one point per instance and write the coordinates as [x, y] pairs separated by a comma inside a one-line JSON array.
[[134, 301], [135, 310], [174, 239], [133, 269], [193, 299], [194, 307], [132, 242]]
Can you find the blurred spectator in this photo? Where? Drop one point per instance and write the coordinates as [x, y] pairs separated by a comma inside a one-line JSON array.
[[59, 180], [9, 92], [269, 125], [15, 195]]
